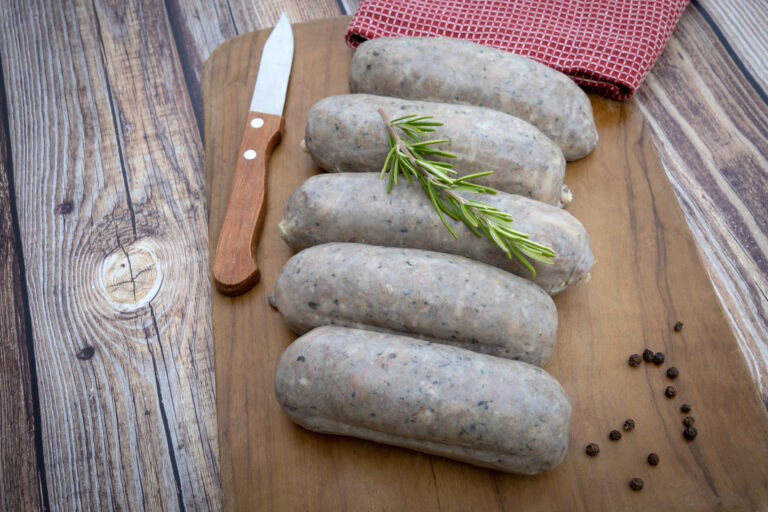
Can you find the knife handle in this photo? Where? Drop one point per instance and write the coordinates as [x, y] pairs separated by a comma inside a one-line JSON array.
[[234, 265]]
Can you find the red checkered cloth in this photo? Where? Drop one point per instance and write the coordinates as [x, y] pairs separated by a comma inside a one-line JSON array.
[[607, 46]]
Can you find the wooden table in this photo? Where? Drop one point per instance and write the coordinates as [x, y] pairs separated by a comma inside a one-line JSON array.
[[106, 369]]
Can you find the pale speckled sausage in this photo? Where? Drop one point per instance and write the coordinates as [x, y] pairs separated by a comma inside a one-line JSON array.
[[355, 207], [424, 294], [345, 133], [457, 71], [442, 400]]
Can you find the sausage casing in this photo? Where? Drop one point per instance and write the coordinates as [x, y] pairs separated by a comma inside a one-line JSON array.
[[355, 207], [434, 296], [458, 71], [345, 133], [442, 400]]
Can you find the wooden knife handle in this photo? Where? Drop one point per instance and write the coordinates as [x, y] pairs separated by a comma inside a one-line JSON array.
[[234, 265]]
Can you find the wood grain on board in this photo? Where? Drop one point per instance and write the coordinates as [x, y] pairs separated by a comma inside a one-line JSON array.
[[648, 276], [109, 185]]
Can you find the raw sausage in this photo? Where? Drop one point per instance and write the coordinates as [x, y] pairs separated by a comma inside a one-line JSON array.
[[345, 133], [355, 207], [457, 71], [430, 295], [484, 410]]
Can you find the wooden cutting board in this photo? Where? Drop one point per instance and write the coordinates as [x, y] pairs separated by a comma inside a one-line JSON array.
[[648, 276]]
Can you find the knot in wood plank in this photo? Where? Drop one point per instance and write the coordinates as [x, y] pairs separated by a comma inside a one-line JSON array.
[[131, 277]]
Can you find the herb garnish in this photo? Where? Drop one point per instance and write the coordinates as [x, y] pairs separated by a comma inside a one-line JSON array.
[[409, 155]]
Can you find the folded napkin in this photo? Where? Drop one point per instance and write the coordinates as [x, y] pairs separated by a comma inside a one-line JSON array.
[[607, 46]]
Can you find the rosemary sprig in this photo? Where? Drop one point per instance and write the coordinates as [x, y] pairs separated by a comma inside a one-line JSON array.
[[410, 156]]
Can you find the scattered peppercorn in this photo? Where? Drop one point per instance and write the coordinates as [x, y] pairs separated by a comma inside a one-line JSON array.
[[636, 484], [690, 433], [688, 421], [653, 459], [648, 355], [658, 358], [685, 408], [615, 435], [635, 360], [670, 392], [592, 449], [678, 326], [672, 372], [629, 424]]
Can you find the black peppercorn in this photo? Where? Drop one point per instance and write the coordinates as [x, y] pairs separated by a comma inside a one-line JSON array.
[[629, 424], [653, 459], [688, 421], [636, 484], [685, 408], [690, 433], [635, 360], [672, 372], [678, 326], [648, 355], [592, 449], [658, 358], [670, 392], [615, 435]]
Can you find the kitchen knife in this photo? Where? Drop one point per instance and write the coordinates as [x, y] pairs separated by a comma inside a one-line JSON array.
[[234, 266]]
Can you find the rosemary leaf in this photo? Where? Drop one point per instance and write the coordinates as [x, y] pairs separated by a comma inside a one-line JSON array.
[[474, 176], [385, 167], [522, 258], [424, 143]]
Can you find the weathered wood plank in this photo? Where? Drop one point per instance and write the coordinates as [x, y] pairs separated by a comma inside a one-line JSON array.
[[743, 25], [108, 174], [351, 6], [265, 13], [19, 479], [711, 129]]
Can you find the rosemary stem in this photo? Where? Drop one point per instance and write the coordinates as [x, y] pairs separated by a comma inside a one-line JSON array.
[[401, 146]]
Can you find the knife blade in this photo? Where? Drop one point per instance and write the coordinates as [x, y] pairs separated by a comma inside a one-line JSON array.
[[234, 265]]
